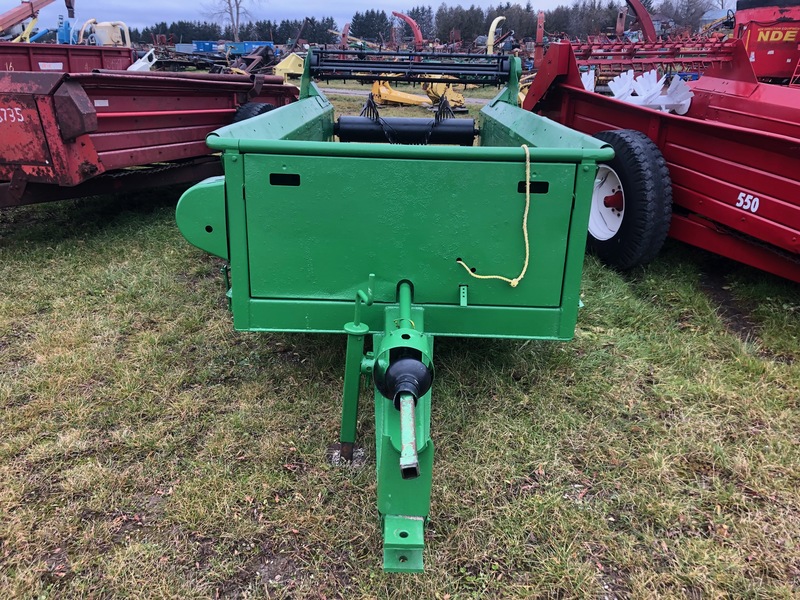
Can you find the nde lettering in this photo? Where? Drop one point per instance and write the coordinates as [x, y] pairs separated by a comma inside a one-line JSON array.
[[777, 35]]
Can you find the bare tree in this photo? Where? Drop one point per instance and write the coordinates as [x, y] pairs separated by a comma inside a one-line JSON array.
[[686, 13], [232, 12]]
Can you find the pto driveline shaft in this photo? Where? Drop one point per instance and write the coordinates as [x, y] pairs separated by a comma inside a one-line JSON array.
[[409, 462]]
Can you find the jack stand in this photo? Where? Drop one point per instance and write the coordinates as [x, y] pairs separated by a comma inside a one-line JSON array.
[[355, 330]]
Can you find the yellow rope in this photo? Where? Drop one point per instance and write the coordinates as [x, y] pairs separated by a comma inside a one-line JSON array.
[[514, 282]]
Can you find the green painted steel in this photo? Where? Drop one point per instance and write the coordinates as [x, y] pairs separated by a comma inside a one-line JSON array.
[[476, 217], [366, 238], [404, 540], [409, 462], [370, 151], [350, 389], [403, 495], [204, 222], [354, 360]]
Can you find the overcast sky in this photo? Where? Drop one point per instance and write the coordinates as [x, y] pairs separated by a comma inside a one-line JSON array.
[[143, 13]]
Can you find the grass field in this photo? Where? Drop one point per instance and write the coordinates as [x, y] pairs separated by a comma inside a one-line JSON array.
[[149, 451]]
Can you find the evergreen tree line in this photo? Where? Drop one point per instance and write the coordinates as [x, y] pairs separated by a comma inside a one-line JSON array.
[[315, 31], [580, 19]]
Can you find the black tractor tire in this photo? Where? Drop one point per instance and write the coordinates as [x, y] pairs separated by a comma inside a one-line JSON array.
[[646, 199], [250, 110]]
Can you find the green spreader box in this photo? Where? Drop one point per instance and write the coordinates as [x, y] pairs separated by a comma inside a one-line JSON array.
[[396, 240]]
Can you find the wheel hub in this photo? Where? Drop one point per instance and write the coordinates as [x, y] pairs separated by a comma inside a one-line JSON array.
[[608, 204]]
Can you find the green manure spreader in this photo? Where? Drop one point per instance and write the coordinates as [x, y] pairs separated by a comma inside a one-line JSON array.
[[403, 229]]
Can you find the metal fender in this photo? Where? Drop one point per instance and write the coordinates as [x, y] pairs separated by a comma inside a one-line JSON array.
[[201, 216]]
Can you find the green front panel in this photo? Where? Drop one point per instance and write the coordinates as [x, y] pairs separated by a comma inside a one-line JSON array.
[[318, 226]]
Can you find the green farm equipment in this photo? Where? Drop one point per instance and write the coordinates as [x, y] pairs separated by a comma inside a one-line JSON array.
[[315, 244]]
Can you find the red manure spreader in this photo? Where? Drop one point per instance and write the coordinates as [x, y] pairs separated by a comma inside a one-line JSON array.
[[74, 121], [723, 175]]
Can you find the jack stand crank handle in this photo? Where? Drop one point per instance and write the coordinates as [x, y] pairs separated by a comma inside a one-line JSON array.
[[365, 297], [409, 461]]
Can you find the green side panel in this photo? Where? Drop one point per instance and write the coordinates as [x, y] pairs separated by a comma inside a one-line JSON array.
[[317, 226], [233, 166], [501, 124], [201, 216], [200, 213], [310, 119]]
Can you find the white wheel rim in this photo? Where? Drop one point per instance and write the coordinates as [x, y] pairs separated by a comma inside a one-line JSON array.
[[608, 204]]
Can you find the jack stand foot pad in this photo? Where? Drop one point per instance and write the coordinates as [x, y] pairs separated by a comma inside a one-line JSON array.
[[346, 451], [337, 459], [403, 543]]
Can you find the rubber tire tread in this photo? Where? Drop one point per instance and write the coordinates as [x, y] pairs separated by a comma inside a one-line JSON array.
[[646, 184], [250, 110]]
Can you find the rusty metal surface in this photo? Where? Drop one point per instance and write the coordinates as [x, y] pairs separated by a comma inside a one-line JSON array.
[[178, 174], [14, 82], [144, 155], [66, 129], [76, 115], [62, 58], [196, 76], [31, 146], [20, 126], [167, 80]]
